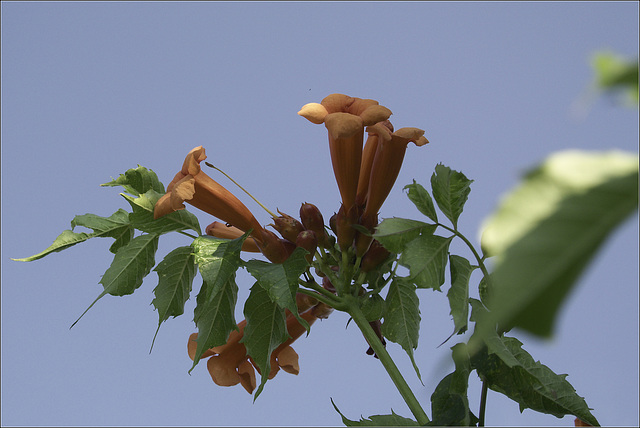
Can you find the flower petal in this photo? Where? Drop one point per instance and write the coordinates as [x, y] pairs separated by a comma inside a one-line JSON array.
[[313, 112], [223, 371], [288, 360], [192, 345], [247, 376]]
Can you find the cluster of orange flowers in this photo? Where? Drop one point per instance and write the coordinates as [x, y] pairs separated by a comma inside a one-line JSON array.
[[365, 176]]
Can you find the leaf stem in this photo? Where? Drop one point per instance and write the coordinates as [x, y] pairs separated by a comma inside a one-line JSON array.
[[401, 384], [480, 260], [483, 403], [187, 234]]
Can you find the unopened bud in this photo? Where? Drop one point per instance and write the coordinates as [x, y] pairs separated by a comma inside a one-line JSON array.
[[345, 232], [312, 220], [288, 227], [307, 239], [275, 249], [321, 310], [327, 285], [332, 223], [304, 302], [373, 257]]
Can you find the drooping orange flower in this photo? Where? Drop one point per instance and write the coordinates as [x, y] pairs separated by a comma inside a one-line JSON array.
[[193, 186], [229, 364]]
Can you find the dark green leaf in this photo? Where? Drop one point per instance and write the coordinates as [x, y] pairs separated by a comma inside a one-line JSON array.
[[458, 294], [175, 276], [266, 329], [548, 230], [449, 402], [450, 190], [402, 317], [373, 307], [426, 258], [422, 200], [142, 216], [137, 181], [529, 383], [129, 267], [391, 420], [395, 233], [281, 280], [116, 226], [218, 260]]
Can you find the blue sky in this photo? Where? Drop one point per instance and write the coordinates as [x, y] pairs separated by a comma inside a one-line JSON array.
[[90, 89]]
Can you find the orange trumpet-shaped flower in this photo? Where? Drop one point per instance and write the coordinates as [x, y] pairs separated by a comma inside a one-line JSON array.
[[193, 186], [345, 118], [229, 364], [224, 231]]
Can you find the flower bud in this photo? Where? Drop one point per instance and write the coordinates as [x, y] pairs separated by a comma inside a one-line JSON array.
[[312, 220], [321, 310], [288, 226], [275, 249], [304, 302], [307, 240], [327, 285], [345, 232], [373, 257]]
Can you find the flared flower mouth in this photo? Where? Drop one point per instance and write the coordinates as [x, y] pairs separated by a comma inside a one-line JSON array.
[[193, 186], [230, 365]]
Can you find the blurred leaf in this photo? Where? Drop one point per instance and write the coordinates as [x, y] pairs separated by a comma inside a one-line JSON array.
[[217, 260], [142, 216], [422, 200], [281, 280], [116, 226], [395, 233], [266, 329], [614, 72], [458, 294], [130, 265], [402, 317], [531, 384], [137, 181], [450, 190], [175, 276], [548, 229], [391, 420], [449, 402], [426, 258]]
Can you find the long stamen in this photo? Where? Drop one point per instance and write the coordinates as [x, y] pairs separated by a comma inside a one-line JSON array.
[[242, 188]]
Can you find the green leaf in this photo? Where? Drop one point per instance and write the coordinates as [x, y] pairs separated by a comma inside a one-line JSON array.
[[266, 329], [458, 294], [175, 277], [531, 384], [395, 233], [373, 307], [116, 226], [142, 216], [449, 402], [614, 72], [218, 260], [130, 265], [426, 258], [450, 190], [402, 317], [549, 228], [137, 181], [392, 420], [280, 280], [422, 200]]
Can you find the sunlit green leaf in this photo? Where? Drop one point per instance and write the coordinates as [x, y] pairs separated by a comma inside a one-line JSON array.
[[142, 215], [531, 384], [280, 280], [175, 276], [116, 226], [137, 181], [395, 233], [450, 190], [614, 72], [422, 200], [426, 258], [266, 329], [548, 229], [391, 420], [130, 265]]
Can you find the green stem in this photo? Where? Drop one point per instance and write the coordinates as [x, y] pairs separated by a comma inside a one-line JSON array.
[[187, 234], [483, 404], [401, 384], [336, 304], [479, 259]]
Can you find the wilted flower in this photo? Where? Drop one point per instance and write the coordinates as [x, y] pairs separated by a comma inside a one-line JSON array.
[[193, 186], [229, 364]]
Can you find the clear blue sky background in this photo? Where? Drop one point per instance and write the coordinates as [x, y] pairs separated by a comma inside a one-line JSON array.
[[91, 89]]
